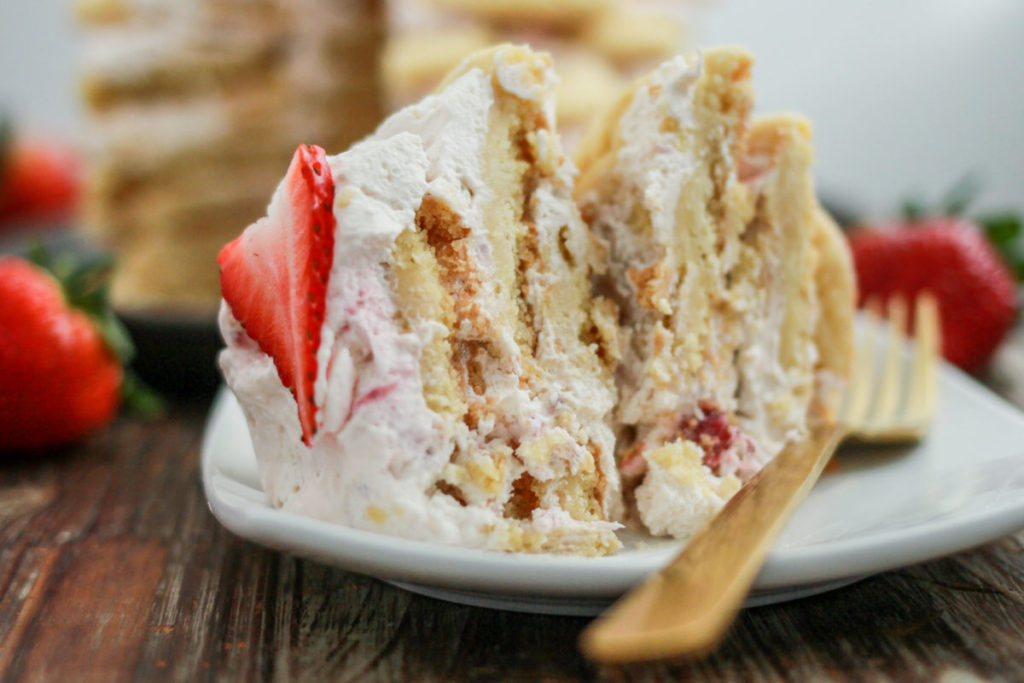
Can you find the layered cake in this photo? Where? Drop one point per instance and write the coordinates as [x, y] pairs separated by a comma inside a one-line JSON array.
[[448, 333], [193, 108]]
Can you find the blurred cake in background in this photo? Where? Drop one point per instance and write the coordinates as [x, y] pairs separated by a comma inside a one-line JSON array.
[[597, 45], [194, 107]]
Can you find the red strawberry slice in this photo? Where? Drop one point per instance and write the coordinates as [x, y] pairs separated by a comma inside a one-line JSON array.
[[274, 277]]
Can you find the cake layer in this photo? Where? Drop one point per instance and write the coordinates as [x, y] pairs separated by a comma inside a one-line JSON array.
[[632, 37], [118, 12], [559, 14], [180, 71], [156, 137]]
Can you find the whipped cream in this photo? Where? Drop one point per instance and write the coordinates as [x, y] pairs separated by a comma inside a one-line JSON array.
[[679, 493]]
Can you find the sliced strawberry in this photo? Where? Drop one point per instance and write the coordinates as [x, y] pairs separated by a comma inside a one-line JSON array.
[[274, 277]]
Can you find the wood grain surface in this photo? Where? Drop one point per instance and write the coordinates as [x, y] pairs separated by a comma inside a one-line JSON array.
[[113, 569]]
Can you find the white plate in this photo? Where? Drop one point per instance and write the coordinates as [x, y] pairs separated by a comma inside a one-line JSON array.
[[875, 511]]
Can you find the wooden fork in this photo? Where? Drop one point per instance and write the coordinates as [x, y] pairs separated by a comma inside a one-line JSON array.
[[686, 608]]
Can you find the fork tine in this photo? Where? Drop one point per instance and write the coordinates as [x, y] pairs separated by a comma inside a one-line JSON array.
[[923, 382], [858, 394], [872, 409], [891, 383]]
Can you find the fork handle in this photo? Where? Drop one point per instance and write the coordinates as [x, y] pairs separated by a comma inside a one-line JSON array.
[[686, 608]]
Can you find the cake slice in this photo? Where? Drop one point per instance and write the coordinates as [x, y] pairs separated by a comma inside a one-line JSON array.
[[411, 334], [732, 285], [428, 341]]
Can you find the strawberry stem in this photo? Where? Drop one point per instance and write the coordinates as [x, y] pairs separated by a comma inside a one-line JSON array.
[[140, 398], [961, 195], [954, 201], [913, 210], [1004, 231]]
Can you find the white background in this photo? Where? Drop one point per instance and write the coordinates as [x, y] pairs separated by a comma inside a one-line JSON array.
[[906, 96]]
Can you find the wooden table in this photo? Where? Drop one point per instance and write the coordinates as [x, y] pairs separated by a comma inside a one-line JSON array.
[[112, 568]]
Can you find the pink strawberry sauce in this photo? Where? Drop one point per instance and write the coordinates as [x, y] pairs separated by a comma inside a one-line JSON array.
[[374, 394]]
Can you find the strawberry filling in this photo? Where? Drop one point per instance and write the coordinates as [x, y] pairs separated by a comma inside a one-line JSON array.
[[375, 394], [723, 443], [712, 433]]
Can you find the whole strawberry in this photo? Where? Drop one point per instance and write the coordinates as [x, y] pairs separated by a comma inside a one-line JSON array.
[[60, 370], [953, 258], [39, 178]]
